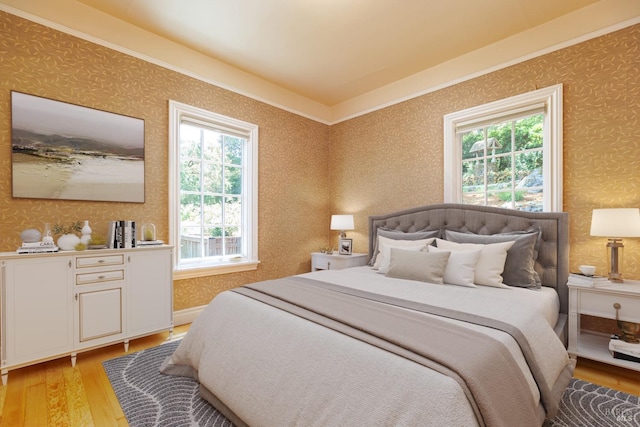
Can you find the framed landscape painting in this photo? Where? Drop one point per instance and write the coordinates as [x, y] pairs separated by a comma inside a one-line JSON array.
[[69, 152]]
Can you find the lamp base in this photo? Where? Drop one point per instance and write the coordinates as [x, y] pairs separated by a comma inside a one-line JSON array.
[[615, 249]]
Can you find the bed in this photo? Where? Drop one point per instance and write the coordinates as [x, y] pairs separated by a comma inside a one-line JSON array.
[[383, 345]]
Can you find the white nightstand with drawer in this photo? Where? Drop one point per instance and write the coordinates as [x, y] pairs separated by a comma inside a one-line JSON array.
[[599, 302], [323, 261]]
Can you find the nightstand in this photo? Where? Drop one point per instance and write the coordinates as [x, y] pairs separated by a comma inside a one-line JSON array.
[[598, 302], [322, 261]]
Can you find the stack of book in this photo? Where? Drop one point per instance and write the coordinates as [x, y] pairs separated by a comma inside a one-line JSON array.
[[150, 242], [623, 350], [122, 234], [37, 248], [580, 279]]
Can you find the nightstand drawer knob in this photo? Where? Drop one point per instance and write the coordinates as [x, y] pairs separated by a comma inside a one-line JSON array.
[[617, 306]]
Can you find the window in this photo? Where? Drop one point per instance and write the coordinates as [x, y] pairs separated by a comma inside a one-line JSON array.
[[507, 153], [213, 164]]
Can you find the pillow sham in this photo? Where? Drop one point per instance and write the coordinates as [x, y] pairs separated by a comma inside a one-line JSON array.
[[397, 244], [490, 264], [421, 266], [519, 267], [461, 266], [400, 235]]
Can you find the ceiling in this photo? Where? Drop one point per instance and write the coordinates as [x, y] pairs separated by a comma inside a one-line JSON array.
[[331, 51]]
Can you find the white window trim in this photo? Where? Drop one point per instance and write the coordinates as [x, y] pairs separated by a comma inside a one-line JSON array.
[[551, 97], [250, 187]]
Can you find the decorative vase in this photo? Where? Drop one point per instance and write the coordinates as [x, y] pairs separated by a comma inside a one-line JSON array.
[[86, 233], [68, 242], [30, 235], [47, 237], [148, 232]]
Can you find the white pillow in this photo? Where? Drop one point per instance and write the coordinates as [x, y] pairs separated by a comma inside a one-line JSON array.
[[385, 254], [461, 266], [397, 244], [490, 264]]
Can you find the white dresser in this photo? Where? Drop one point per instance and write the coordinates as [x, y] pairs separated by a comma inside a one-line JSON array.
[[59, 304]]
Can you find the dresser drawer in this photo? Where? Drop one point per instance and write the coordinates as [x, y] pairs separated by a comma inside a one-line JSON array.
[[99, 277], [601, 305], [99, 261]]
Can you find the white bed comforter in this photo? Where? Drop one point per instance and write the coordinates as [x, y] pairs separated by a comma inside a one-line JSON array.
[[253, 356]]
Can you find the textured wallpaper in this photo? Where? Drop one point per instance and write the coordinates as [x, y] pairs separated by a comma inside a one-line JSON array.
[[381, 162], [293, 188], [392, 159]]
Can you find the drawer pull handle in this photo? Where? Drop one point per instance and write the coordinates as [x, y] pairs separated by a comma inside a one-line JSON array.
[[101, 277], [628, 330], [101, 261]]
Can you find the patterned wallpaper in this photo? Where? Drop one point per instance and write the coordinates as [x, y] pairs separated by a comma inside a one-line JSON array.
[[293, 189], [392, 159], [383, 161]]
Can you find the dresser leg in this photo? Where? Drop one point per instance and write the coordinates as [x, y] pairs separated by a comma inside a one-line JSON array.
[[73, 359], [5, 376], [126, 346]]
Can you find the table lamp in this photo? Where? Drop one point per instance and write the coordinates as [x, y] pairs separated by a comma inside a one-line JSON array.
[[615, 224], [342, 223]]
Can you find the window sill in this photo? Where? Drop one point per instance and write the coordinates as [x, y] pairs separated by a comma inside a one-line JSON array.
[[212, 270]]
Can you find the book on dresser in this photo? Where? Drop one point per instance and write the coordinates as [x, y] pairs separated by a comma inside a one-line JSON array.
[[36, 249], [580, 279], [121, 234], [623, 350]]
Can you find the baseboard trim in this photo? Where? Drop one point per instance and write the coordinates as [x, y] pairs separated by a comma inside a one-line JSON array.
[[188, 315]]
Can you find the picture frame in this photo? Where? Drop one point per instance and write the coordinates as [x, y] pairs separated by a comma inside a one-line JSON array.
[[345, 247], [66, 151]]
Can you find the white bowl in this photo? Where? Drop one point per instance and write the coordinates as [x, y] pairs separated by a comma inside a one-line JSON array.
[[588, 270]]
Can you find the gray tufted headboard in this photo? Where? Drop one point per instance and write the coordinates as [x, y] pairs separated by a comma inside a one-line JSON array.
[[553, 258]]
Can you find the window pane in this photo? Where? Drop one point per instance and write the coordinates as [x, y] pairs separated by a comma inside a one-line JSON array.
[[233, 180], [529, 132], [212, 178], [233, 150], [212, 211], [233, 212], [190, 146], [527, 163], [473, 199], [212, 146], [190, 242], [499, 172], [233, 242], [472, 145], [473, 176], [190, 175], [499, 139]]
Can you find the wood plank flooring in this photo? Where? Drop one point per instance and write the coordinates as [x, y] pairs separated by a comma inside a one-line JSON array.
[[55, 394]]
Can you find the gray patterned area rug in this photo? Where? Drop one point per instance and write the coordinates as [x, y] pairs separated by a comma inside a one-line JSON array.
[[149, 398]]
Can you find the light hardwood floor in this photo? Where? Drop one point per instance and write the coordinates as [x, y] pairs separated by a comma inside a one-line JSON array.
[[55, 394]]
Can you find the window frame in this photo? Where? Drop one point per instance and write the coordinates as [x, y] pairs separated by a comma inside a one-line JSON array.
[[205, 267], [551, 99]]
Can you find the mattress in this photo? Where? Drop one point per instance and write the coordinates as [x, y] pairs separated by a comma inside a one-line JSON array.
[[544, 301]]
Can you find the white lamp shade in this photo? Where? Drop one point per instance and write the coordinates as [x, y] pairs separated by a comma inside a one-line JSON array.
[[342, 222], [620, 222]]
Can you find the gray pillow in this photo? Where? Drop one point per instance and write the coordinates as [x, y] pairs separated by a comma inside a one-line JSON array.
[[421, 266], [401, 235], [519, 268]]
